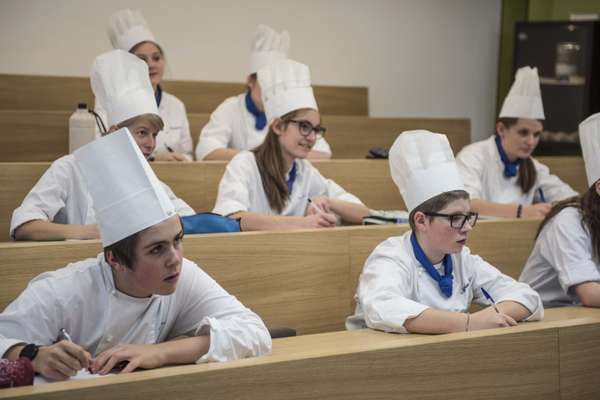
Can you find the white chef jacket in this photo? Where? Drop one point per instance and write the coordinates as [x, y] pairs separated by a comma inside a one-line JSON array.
[[82, 298], [394, 287], [482, 171], [176, 132], [61, 196], [232, 126], [241, 188], [561, 259]]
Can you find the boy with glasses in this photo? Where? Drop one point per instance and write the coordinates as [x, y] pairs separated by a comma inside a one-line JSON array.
[[425, 280]]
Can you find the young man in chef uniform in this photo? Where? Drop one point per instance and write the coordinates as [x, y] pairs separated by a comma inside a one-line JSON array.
[[139, 302], [425, 280]]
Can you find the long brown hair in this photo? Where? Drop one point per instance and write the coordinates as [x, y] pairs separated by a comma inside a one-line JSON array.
[[527, 172], [589, 206], [271, 166]]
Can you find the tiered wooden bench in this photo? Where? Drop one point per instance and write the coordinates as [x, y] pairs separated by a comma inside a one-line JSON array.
[[62, 93], [197, 183], [553, 359], [304, 279], [27, 135]]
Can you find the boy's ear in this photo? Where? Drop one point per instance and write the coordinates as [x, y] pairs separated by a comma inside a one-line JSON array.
[[113, 261], [419, 219]]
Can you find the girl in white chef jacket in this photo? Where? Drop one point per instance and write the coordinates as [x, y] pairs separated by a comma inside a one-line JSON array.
[[499, 172], [240, 123], [139, 302], [128, 31], [59, 206], [564, 266], [425, 280], [274, 186]]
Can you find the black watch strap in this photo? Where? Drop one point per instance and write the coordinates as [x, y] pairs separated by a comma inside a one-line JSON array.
[[29, 351]]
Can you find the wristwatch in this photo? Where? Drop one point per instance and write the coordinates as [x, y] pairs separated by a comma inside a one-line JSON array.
[[29, 351]]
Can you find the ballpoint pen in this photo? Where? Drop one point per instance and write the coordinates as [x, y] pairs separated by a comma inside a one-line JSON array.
[[542, 197], [487, 296], [169, 148], [63, 335]]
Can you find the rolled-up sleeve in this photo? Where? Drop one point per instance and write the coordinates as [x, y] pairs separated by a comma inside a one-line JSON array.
[[208, 310], [45, 199], [567, 247], [234, 187]]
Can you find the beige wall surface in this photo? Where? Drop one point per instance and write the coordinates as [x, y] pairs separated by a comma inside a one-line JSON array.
[[419, 58]]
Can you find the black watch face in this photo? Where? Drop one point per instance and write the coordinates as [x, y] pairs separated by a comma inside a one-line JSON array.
[[29, 351]]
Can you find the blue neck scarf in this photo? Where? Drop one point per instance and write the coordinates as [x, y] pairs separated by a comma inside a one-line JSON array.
[[510, 168], [291, 178], [445, 282], [158, 95], [259, 116]]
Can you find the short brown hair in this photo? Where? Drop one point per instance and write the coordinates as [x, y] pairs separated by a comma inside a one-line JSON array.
[[436, 204], [154, 120], [124, 250]]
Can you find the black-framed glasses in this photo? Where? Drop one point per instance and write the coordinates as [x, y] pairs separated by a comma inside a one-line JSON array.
[[457, 221], [306, 128]]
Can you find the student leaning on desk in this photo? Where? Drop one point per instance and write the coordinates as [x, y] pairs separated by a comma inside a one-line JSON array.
[[564, 266], [425, 280], [240, 122], [501, 176], [274, 186], [138, 302], [59, 206]]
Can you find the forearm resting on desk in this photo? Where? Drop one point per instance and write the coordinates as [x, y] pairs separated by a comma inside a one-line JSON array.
[[45, 230]]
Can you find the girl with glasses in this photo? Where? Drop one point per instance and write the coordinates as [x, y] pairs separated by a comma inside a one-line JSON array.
[[564, 266], [274, 186], [426, 280], [128, 31], [499, 172]]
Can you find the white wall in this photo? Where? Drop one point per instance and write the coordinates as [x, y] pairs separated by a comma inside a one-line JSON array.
[[419, 58]]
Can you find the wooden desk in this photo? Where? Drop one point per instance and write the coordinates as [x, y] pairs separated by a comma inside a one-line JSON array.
[[304, 279], [42, 135], [523, 362]]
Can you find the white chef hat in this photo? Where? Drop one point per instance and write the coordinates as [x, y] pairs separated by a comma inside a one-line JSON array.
[[524, 99], [126, 28], [589, 136], [422, 166], [268, 46], [127, 195], [285, 87], [121, 84]]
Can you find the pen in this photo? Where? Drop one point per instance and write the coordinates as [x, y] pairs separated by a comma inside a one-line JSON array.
[[542, 198], [168, 148], [63, 335], [487, 296]]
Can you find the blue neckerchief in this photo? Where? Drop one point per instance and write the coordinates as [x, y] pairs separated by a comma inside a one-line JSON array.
[[291, 178], [445, 282], [259, 116], [510, 168], [158, 95]]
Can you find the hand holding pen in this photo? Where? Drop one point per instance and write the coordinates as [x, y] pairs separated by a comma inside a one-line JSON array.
[[491, 300], [61, 360], [485, 319]]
